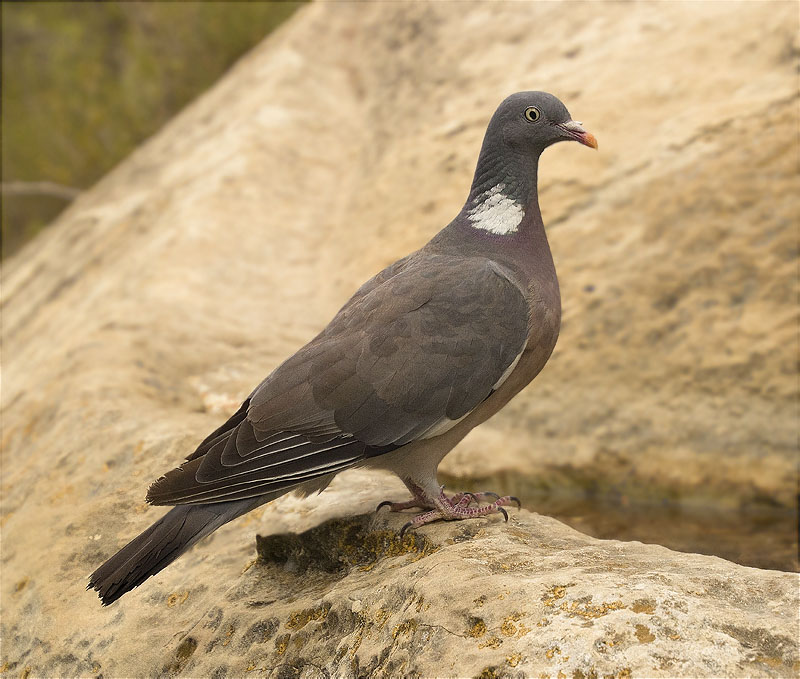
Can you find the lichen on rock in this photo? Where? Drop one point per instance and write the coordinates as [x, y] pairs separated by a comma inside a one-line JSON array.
[[339, 545]]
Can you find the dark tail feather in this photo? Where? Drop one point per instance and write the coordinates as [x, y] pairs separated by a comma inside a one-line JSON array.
[[160, 545]]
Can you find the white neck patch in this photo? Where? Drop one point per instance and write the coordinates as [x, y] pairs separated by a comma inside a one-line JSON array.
[[495, 212]]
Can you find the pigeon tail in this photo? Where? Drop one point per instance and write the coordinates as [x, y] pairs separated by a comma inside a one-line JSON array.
[[159, 545]]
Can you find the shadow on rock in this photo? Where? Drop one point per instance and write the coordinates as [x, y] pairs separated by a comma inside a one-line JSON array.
[[339, 545]]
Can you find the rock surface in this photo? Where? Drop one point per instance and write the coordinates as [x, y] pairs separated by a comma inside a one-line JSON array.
[[470, 599], [162, 296]]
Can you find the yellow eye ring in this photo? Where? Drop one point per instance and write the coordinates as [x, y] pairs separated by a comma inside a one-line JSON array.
[[532, 114]]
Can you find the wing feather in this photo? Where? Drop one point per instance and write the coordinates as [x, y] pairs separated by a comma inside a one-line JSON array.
[[202, 478], [414, 351]]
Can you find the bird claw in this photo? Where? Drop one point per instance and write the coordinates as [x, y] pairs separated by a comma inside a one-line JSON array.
[[457, 507], [450, 508]]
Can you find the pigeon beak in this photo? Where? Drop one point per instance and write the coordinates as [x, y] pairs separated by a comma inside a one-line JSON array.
[[574, 130]]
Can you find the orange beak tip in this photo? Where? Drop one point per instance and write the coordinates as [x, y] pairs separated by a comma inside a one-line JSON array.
[[574, 130]]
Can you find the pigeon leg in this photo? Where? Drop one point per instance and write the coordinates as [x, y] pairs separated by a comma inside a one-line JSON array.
[[400, 506], [422, 500], [419, 500], [446, 509]]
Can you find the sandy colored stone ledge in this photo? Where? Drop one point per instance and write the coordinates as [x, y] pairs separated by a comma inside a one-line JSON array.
[[480, 598]]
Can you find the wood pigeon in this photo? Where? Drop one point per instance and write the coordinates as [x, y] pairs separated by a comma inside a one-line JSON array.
[[424, 351]]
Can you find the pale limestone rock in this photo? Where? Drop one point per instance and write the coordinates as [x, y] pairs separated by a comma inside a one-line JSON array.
[[348, 138], [477, 598]]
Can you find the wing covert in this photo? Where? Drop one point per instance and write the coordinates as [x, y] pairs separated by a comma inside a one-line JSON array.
[[410, 354], [428, 343]]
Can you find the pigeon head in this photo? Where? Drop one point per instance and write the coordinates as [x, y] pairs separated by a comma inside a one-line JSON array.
[[504, 186], [532, 121]]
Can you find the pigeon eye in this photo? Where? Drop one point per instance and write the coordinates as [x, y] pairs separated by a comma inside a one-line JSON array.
[[532, 114]]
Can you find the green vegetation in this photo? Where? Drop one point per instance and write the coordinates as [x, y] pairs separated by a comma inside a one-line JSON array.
[[85, 82]]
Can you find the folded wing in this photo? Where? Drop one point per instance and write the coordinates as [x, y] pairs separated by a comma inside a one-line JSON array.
[[414, 351]]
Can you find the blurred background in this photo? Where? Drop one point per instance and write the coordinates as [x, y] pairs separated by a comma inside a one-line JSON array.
[[84, 83], [345, 139]]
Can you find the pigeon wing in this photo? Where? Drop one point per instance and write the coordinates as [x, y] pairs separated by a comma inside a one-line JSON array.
[[414, 351]]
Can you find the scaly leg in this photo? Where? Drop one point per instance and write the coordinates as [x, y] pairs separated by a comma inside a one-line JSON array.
[[448, 508], [457, 507], [419, 500]]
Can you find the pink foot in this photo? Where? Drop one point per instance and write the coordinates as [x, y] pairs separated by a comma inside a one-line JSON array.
[[400, 506], [451, 508], [460, 511], [422, 503], [420, 499]]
